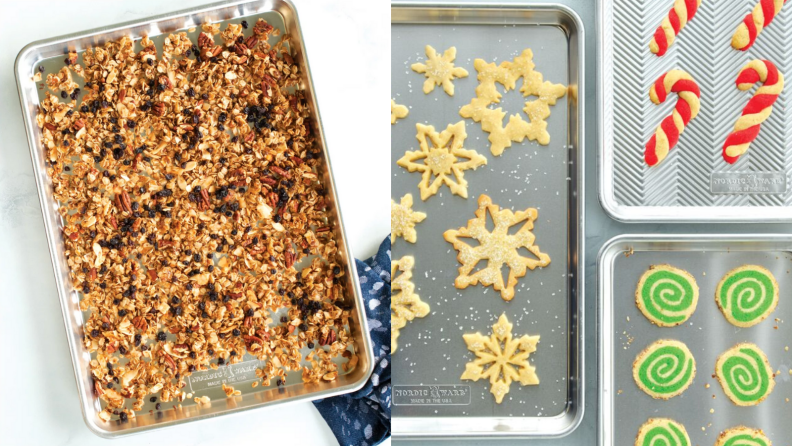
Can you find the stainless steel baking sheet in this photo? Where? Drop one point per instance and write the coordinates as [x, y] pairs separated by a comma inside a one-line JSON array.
[[681, 187], [548, 301], [624, 332], [49, 53]]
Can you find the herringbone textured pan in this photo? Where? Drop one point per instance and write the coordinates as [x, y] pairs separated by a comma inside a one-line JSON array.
[[703, 48]]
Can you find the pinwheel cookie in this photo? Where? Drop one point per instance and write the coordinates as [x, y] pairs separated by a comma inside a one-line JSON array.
[[667, 295], [665, 369], [662, 431], [747, 295], [743, 436], [496, 247], [745, 374]]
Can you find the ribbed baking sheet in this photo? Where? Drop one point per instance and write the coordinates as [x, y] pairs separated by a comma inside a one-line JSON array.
[[547, 302], [703, 408], [679, 188]]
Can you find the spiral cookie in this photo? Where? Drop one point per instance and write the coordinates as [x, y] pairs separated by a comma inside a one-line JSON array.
[[745, 374], [743, 436], [666, 295], [747, 295], [665, 369], [662, 432]]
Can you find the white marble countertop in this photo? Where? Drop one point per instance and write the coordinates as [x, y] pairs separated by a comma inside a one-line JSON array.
[[348, 44]]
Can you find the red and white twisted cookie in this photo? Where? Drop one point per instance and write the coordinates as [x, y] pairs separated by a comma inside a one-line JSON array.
[[667, 134], [758, 109], [682, 12], [761, 16]]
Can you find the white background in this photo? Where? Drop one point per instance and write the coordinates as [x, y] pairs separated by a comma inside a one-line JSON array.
[[348, 45]]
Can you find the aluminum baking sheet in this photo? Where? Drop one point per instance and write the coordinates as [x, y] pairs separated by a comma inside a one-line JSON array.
[[49, 53], [703, 408], [682, 187], [548, 301]]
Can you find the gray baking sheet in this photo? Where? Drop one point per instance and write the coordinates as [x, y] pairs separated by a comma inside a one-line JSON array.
[[431, 350], [703, 408]]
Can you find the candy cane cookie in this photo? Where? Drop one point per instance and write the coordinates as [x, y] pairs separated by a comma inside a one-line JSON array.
[[682, 12], [761, 16], [667, 134], [758, 109]]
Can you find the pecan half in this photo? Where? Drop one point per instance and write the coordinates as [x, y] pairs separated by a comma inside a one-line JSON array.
[[205, 40], [159, 109], [140, 323]]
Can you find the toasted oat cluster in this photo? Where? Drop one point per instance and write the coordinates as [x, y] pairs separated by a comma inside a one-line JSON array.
[[189, 189]]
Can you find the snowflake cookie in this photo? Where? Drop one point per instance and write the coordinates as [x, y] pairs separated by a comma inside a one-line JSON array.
[[497, 247], [441, 160], [405, 305], [505, 358], [403, 219], [398, 111], [538, 110], [439, 70]]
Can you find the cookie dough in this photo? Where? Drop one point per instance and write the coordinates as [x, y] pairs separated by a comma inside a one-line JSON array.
[[441, 162], [667, 295], [665, 369], [497, 247], [745, 374], [505, 358], [439, 70], [747, 295]]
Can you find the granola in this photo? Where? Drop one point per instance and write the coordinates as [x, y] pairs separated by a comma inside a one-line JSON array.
[[193, 211]]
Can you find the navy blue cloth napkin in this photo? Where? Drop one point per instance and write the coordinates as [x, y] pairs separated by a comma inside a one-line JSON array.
[[363, 418]]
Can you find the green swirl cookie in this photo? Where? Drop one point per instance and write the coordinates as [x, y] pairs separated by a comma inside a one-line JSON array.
[[662, 431], [667, 295], [743, 436], [747, 295], [665, 369], [745, 374]]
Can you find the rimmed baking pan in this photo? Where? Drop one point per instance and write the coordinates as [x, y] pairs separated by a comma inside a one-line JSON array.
[[694, 183], [432, 354], [703, 408], [49, 54]]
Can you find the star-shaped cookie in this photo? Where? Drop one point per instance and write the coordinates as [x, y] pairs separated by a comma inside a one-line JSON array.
[[505, 358], [398, 111], [497, 247], [441, 160], [405, 304], [403, 219], [439, 70], [538, 110]]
